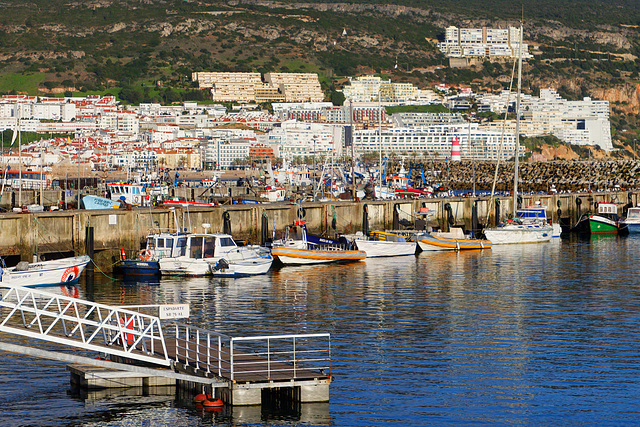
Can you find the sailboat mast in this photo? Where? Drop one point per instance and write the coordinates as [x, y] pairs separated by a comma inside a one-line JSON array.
[[380, 145], [19, 157], [517, 148]]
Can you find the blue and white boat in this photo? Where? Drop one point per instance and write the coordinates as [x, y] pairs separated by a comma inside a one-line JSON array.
[[214, 254], [146, 262], [90, 202], [632, 220]]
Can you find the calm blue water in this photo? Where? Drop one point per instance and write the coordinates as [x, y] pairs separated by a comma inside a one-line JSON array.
[[544, 334]]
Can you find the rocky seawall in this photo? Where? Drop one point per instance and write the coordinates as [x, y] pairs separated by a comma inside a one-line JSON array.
[[566, 176]]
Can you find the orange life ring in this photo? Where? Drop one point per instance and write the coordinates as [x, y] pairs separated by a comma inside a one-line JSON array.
[[122, 254], [127, 322], [70, 274], [145, 255]]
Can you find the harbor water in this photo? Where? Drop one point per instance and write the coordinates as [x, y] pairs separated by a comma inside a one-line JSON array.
[[542, 334]]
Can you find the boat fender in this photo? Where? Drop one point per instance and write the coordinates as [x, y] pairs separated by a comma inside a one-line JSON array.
[[301, 212], [559, 203], [212, 403], [595, 205], [145, 255], [201, 397], [578, 201], [122, 254]]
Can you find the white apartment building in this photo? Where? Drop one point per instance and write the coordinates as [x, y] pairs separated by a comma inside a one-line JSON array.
[[220, 152], [292, 139], [120, 120], [583, 122], [483, 42], [435, 142]]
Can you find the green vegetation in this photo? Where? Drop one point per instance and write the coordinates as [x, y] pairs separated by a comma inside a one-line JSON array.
[[146, 52]]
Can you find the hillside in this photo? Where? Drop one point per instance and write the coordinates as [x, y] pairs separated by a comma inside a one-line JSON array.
[[146, 50]]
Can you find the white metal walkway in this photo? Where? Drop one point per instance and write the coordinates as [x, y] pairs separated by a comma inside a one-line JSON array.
[[189, 353]]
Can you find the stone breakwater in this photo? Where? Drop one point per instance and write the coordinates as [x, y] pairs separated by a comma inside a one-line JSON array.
[[566, 176]]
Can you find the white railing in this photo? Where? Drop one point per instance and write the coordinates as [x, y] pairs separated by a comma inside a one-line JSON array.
[[276, 357], [82, 324]]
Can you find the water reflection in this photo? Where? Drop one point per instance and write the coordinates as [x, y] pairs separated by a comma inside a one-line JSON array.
[[511, 335]]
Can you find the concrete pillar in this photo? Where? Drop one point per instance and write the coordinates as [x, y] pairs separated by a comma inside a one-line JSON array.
[[314, 393]]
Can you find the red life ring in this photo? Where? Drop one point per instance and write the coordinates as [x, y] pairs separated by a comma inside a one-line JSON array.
[[145, 255], [70, 274], [122, 254], [127, 322], [147, 197]]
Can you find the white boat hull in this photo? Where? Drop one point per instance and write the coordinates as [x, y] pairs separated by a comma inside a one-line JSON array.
[[246, 267], [46, 273], [379, 248], [519, 234], [183, 266]]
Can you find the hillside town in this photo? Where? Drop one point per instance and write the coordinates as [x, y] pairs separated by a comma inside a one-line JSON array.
[[102, 134]]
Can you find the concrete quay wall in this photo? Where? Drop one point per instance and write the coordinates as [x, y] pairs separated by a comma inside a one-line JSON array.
[[25, 234]]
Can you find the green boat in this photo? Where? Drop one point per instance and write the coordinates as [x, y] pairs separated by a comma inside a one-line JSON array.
[[605, 221]]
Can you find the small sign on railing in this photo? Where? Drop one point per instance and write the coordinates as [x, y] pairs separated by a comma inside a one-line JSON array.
[[174, 311]]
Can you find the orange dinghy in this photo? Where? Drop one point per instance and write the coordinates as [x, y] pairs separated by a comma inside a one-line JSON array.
[[296, 249]]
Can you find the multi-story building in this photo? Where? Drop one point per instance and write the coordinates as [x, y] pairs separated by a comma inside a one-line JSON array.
[[297, 87], [435, 142], [483, 42]]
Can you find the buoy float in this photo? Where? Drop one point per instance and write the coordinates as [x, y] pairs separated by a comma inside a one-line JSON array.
[[212, 403], [201, 398]]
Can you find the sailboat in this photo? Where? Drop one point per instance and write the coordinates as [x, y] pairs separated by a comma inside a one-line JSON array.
[[62, 271], [514, 230]]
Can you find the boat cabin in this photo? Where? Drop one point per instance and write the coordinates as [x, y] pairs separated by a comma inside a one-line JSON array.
[[198, 246], [607, 208]]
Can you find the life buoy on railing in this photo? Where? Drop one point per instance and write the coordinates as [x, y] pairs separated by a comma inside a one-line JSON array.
[[145, 255], [127, 323], [122, 254]]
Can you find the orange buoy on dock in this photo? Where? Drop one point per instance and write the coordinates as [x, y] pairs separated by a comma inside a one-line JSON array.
[[212, 403], [201, 397]]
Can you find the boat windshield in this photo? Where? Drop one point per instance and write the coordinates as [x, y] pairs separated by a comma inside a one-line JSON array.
[[181, 247], [633, 213]]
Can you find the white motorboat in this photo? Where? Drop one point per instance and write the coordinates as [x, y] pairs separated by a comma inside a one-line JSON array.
[[384, 244], [204, 254], [44, 273], [632, 220]]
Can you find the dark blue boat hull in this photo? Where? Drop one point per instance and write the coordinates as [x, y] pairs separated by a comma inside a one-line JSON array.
[[138, 267]]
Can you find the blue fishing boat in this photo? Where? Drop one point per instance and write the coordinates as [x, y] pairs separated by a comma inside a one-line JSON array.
[[90, 202], [146, 262]]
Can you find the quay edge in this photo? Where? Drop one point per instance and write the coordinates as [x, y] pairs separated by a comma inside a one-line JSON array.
[[22, 235]]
